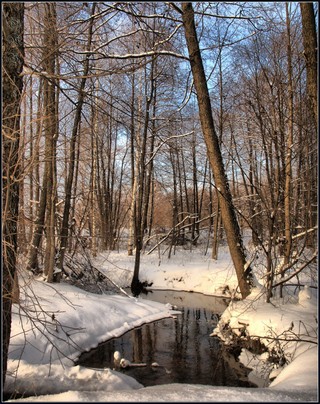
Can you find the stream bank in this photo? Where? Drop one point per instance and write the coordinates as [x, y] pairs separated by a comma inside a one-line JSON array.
[[175, 350]]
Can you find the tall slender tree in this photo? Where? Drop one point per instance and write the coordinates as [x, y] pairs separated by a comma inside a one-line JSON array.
[[51, 134], [46, 210], [141, 185], [12, 82], [289, 146], [70, 177], [310, 44], [214, 153]]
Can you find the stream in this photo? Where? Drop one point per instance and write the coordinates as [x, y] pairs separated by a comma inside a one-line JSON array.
[[175, 350]]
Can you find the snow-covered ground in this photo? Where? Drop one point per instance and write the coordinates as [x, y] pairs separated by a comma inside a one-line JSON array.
[[56, 322]]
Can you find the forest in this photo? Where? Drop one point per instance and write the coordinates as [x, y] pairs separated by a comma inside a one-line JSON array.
[[134, 125]]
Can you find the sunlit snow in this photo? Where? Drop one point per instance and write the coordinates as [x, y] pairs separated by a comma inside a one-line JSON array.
[[66, 321]]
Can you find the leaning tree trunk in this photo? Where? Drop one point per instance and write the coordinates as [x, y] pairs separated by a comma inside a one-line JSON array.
[[212, 142], [12, 84]]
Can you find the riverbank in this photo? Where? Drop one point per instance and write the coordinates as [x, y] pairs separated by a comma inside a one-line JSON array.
[[65, 320], [287, 328]]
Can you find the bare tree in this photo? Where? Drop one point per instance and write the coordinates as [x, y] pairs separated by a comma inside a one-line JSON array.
[[227, 210], [51, 135], [272, 165], [13, 58], [70, 177], [289, 146], [140, 174]]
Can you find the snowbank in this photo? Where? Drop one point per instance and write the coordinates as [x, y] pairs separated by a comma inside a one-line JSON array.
[[180, 393], [287, 330], [64, 321]]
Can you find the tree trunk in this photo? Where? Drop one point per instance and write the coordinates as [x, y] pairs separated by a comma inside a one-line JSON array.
[[288, 164], [309, 35], [94, 172], [195, 208], [131, 235], [149, 168], [12, 84], [310, 45], [216, 231], [65, 220], [50, 110], [212, 142], [33, 264], [46, 211], [141, 174], [175, 201]]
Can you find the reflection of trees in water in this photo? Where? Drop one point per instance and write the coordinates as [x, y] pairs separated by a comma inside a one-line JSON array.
[[196, 337], [182, 347], [180, 352], [195, 354], [150, 342], [137, 346]]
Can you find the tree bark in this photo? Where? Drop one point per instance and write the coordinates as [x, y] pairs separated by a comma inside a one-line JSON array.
[[51, 134], [141, 174], [131, 240], [309, 35], [212, 142], [12, 84], [289, 145], [310, 45]]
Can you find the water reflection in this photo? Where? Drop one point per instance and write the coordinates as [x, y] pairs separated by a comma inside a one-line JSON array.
[[181, 347], [194, 300]]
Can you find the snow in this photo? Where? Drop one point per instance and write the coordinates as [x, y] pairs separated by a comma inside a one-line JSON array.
[[178, 393], [56, 322], [187, 270]]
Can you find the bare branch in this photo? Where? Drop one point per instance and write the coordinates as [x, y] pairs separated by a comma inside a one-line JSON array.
[[304, 233], [146, 54], [284, 280], [166, 141]]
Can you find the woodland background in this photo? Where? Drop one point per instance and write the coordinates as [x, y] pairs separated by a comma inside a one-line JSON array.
[[103, 143]]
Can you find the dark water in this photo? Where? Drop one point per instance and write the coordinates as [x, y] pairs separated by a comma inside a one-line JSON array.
[[182, 347]]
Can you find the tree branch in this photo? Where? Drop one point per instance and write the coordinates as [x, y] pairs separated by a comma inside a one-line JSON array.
[[284, 280]]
